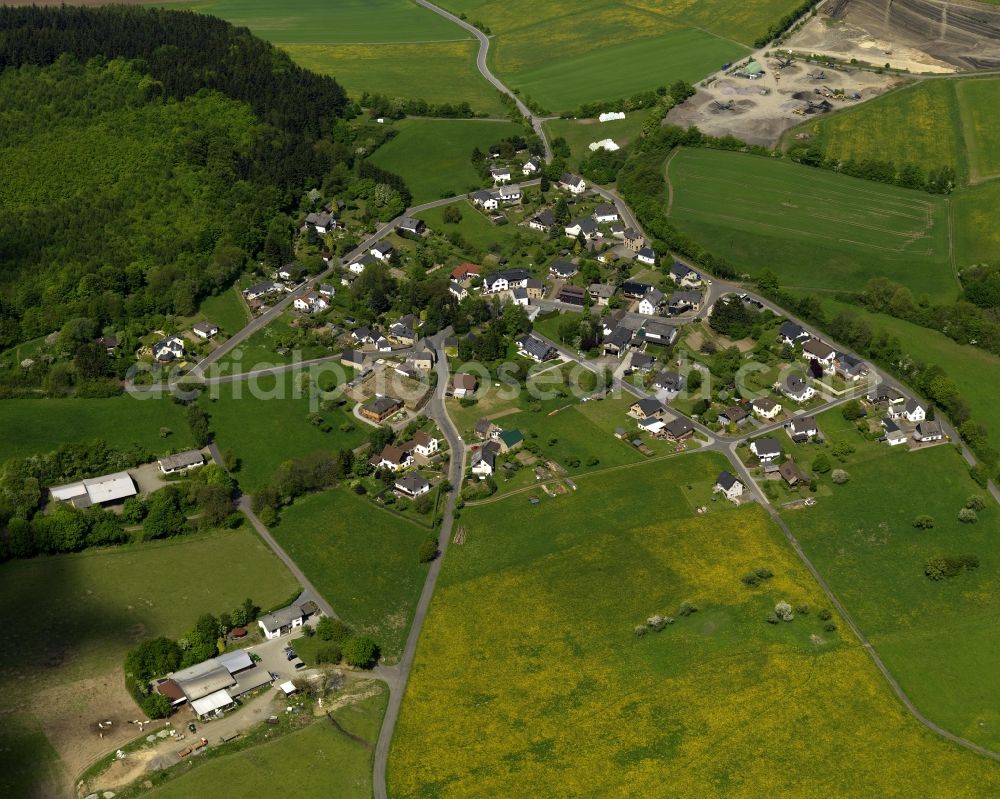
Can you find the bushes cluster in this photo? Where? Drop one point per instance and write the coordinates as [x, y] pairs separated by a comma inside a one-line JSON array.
[[342, 643], [754, 578], [945, 566]]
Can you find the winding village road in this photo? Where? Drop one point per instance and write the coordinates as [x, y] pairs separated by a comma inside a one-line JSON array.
[[396, 676]]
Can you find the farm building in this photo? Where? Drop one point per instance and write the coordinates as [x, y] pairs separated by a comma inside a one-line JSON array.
[[96, 490], [181, 461], [283, 621], [380, 408]]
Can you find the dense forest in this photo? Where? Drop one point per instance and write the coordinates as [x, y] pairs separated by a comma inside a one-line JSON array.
[[147, 155]]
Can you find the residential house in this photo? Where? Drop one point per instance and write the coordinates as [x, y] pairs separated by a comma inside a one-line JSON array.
[[728, 486], [500, 174], [181, 462], [679, 429], [913, 411], [326, 291], [574, 184], [535, 288], [928, 431], [531, 347], [668, 381], [849, 368], [519, 297], [893, 435], [310, 302], [562, 270], [734, 415], [487, 200], [262, 289], [359, 265], [684, 276], [572, 295], [110, 344], [353, 359], [608, 257], [423, 360], [486, 429], [791, 334], [381, 408], [424, 444], [508, 195], [617, 230], [646, 255], [531, 166], [457, 289], [802, 428], [586, 227], [650, 304], [505, 280], [797, 389], [542, 221], [766, 408], [463, 385], [168, 349], [509, 440], [383, 250], [465, 271], [321, 222], [634, 289], [613, 320], [634, 240], [600, 293], [281, 622], [642, 362], [392, 458], [606, 212], [205, 330], [766, 449], [684, 301], [792, 474], [411, 227], [292, 272], [659, 332], [365, 335], [618, 342], [401, 333], [411, 485], [820, 352], [647, 408], [484, 460]]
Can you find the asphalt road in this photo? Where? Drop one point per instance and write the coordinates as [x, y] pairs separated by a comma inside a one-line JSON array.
[[436, 410]]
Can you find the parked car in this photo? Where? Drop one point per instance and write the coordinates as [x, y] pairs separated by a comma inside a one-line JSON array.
[[290, 654], [191, 727], [300, 665]]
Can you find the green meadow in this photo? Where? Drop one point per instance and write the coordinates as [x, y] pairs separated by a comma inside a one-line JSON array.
[[434, 155], [814, 229], [939, 639]]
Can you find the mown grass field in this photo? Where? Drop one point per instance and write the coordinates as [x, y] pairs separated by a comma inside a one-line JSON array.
[[314, 763], [434, 155], [561, 698], [814, 229], [271, 425], [90, 607], [977, 226], [361, 558], [391, 47], [226, 309], [35, 426], [610, 74], [939, 638], [967, 366]]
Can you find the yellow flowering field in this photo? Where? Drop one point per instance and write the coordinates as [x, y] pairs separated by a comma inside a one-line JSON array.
[[530, 680]]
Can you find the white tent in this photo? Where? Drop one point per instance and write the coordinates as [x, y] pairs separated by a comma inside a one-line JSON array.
[[604, 144], [608, 116], [288, 688], [209, 704]]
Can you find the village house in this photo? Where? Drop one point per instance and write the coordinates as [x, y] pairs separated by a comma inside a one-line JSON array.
[[795, 388], [321, 222], [484, 460], [531, 347], [262, 289], [106, 489], [383, 250], [641, 362], [734, 415], [913, 411], [457, 289], [424, 444], [684, 276], [392, 458], [168, 349], [542, 221], [509, 440], [679, 429], [535, 288], [893, 435], [802, 428], [728, 486], [658, 332], [684, 301], [792, 474], [505, 280], [574, 184], [326, 291], [766, 449], [634, 240], [520, 297], [605, 212], [401, 333], [531, 166], [381, 408], [181, 462], [562, 270], [292, 272], [205, 329], [352, 359], [500, 174], [508, 195], [585, 227], [821, 352], [359, 265], [464, 271], [411, 485], [410, 227], [650, 304], [765, 408], [486, 429], [281, 622], [647, 408], [572, 295], [635, 289], [928, 431], [463, 385], [646, 255], [618, 342], [791, 334], [487, 200], [668, 381], [310, 302], [600, 293], [849, 368]]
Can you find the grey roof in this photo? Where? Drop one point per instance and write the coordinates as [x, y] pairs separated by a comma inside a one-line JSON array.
[[685, 297], [734, 414], [482, 195], [619, 337], [520, 293], [725, 480], [631, 234], [205, 327], [635, 288], [647, 252], [650, 405], [792, 331], [767, 446], [280, 618], [569, 179], [929, 428], [660, 329], [642, 360], [203, 679], [563, 268], [764, 403], [182, 460], [672, 381], [487, 453], [534, 347], [601, 290], [411, 483], [545, 217], [912, 405], [353, 356], [264, 287], [681, 271], [679, 427], [383, 404], [586, 225], [889, 425], [605, 209], [803, 424], [654, 297]]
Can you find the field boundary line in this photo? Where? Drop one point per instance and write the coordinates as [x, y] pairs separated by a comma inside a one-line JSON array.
[[666, 178], [371, 44]]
